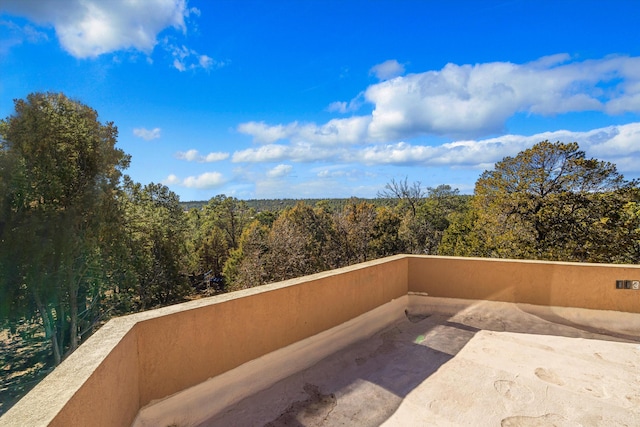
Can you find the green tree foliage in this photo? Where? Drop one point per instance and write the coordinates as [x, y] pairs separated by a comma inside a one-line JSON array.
[[356, 225], [59, 175], [386, 237], [229, 215], [245, 267], [422, 229], [302, 241], [215, 233], [155, 240], [368, 232], [549, 202], [461, 238], [629, 233]]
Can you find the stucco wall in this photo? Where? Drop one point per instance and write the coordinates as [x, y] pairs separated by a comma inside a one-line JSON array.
[[534, 282], [136, 359], [225, 334]]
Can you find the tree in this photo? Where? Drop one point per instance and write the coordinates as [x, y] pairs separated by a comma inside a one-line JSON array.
[[423, 230], [409, 194], [245, 266], [386, 237], [208, 250], [300, 242], [62, 170], [461, 238], [551, 202], [156, 235], [628, 237], [228, 214]]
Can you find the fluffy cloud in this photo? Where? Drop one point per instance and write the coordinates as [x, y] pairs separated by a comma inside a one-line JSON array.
[[280, 171], [266, 153], [352, 130], [474, 100], [617, 144], [297, 152], [172, 180], [471, 101], [387, 70], [264, 133], [205, 180], [195, 156], [613, 143], [88, 28], [347, 107], [147, 134]]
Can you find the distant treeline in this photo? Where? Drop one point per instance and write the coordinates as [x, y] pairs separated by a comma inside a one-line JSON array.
[[274, 205]]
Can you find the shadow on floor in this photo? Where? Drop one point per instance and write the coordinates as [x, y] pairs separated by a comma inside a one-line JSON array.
[[365, 383]]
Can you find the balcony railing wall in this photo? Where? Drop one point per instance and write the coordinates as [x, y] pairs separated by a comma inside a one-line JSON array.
[[140, 358]]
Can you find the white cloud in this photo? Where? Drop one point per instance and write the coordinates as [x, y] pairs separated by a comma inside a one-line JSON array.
[[338, 106], [352, 130], [205, 61], [147, 134], [185, 58], [613, 143], [216, 157], [194, 156], [264, 133], [171, 180], [88, 28], [296, 152], [331, 172], [205, 180], [179, 65], [202, 181], [347, 107], [190, 155], [279, 171], [620, 140], [266, 153], [471, 101], [387, 70]]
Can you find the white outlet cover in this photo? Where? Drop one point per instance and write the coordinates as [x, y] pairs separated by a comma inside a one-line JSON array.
[[635, 285]]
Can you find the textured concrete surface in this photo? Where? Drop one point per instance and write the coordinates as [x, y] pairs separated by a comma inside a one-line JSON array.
[[479, 364]]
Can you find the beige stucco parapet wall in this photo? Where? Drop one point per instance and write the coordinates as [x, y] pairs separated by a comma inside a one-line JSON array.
[[560, 284], [146, 356], [136, 359]]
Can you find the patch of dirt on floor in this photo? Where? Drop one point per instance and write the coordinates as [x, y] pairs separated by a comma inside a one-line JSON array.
[[309, 412]]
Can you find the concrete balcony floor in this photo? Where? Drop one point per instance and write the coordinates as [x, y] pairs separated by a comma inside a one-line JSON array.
[[454, 362]]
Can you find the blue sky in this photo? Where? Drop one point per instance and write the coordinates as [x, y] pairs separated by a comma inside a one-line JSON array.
[[315, 99]]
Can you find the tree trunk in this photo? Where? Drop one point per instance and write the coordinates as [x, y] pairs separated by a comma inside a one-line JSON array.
[[49, 327], [73, 323]]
